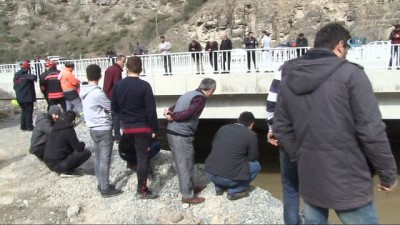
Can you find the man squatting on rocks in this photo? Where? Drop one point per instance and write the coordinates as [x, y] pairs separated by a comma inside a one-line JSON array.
[[41, 131], [134, 101], [64, 152], [327, 119], [232, 163], [97, 109], [183, 119]]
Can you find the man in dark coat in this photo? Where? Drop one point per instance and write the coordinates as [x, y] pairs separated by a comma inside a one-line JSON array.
[[43, 126], [212, 48], [232, 163], [328, 120], [195, 49], [24, 86], [64, 152], [250, 44], [226, 47]]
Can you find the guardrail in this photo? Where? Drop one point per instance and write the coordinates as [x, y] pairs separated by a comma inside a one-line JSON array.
[[381, 57]]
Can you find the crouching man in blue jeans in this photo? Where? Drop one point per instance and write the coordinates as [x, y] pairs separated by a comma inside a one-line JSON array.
[[232, 164]]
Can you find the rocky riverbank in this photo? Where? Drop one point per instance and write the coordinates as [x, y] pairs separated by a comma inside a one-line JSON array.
[[30, 193]]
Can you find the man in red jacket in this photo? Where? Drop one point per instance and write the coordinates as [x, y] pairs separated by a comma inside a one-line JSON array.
[[112, 75]]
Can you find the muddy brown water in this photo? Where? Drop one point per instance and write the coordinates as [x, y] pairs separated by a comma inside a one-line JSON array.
[[388, 204]]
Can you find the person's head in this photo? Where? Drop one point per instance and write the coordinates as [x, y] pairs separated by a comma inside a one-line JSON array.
[[193, 43], [70, 65], [301, 35], [224, 36], [247, 119], [134, 65], [93, 72], [333, 36], [250, 34], [265, 33], [397, 27], [25, 65], [208, 86], [69, 116], [51, 64], [162, 39], [54, 112], [121, 60]]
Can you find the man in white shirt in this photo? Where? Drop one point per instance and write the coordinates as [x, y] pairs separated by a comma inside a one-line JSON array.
[[266, 45], [165, 48]]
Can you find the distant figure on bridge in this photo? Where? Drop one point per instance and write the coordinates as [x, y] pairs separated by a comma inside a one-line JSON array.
[[24, 87], [250, 44], [232, 163], [301, 41], [266, 53], [212, 49], [70, 86], [112, 75], [226, 48], [183, 119], [395, 40], [165, 49], [195, 49], [111, 54], [327, 119], [50, 86], [43, 126], [139, 49]]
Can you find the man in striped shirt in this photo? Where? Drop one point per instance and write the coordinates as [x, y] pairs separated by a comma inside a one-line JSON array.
[[289, 177]]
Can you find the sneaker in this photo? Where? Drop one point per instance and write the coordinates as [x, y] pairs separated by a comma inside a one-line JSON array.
[[238, 195], [146, 194], [109, 192], [193, 201], [219, 192]]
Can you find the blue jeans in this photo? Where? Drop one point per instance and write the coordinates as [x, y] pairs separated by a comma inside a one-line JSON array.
[[235, 186], [362, 215], [290, 183]]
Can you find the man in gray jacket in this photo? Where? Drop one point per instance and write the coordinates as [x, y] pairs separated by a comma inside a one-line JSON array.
[[97, 108], [328, 120], [183, 119], [43, 126]]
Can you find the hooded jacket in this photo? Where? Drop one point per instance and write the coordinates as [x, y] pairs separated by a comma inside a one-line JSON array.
[[96, 107], [44, 123], [62, 141], [327, 119]]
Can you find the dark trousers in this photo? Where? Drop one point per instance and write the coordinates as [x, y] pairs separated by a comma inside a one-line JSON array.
[[226, 58], [141, 144], [214, 60], [26, 116], [69, 164], [39, 151], [167, 64], [394, 53], [251, 55], [60, 101], [116, 125], [127, 151]]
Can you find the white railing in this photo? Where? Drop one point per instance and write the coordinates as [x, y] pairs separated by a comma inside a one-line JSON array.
[[369, 56]]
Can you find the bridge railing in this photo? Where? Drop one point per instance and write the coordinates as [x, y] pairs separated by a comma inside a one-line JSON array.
[[370, 56]]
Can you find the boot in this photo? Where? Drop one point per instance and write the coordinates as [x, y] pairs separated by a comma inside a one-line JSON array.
[[143, 191]]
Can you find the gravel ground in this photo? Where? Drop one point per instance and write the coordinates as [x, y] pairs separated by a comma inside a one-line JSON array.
[[30, 193]]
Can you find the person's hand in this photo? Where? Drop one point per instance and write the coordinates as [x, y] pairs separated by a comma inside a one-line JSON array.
[[153, 135], [271, 139], [382, 187], [167, 114]]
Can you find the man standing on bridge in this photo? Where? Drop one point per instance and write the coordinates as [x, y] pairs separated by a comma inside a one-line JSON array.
[[328, 120], [183, 119]]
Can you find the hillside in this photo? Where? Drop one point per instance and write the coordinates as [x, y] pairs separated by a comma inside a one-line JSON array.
[[86, 28]]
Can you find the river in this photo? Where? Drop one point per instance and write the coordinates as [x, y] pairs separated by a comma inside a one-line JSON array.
[[388, 204]]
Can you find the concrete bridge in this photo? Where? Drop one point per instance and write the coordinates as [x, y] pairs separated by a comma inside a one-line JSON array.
[[237, 91]]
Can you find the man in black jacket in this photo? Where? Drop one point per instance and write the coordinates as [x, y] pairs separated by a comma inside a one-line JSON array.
[[250, 44], [195, 49], [328, 120], [232, 163], [64, 152], [51, 87], [43, 126], [24, 86], [212, 48], [226, 47]]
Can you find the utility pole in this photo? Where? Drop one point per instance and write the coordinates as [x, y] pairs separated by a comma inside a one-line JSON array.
[[157, 24]]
